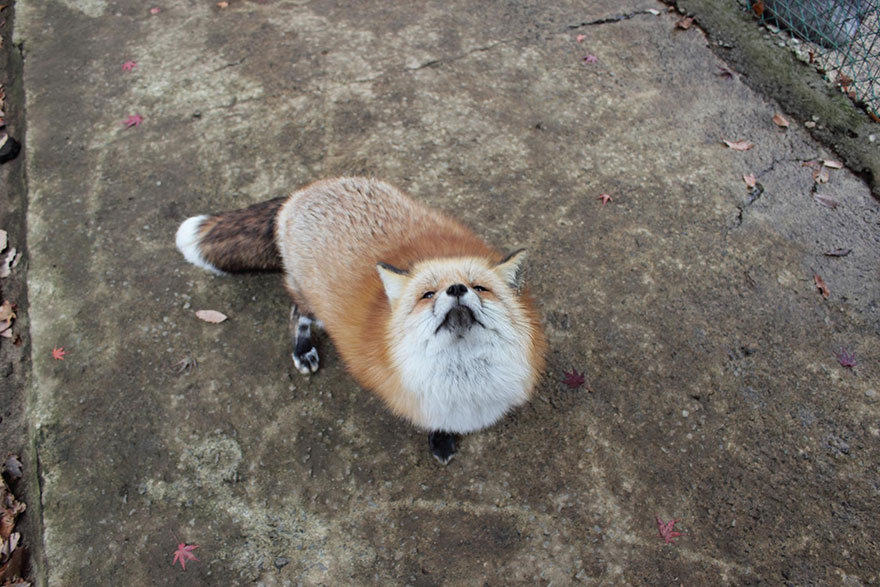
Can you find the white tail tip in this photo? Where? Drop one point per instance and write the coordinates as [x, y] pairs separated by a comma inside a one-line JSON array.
[[188, 243]]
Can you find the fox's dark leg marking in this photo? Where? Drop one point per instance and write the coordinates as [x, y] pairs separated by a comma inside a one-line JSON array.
[[442, 445], [305, 355]]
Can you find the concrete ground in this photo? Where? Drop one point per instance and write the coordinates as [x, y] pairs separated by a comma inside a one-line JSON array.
[[712, 395]]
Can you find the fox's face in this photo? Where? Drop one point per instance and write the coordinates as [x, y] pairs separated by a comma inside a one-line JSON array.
[[461, 333], [455, 299]]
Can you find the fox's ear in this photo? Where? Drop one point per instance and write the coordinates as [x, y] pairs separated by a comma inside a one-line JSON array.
[[393, 279], [510, 268]]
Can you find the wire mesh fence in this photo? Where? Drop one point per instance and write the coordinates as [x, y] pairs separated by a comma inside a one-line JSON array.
[[840, 37]]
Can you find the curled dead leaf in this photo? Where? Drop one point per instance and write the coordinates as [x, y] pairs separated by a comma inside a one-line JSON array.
[[780, 121], [739, 145], [212, 316], [8, 262], [684, 23], [838, 253], [820, 174], [758, 7], [830, 163], [821, 286], [826, 201], [750, 180], [3, 239]]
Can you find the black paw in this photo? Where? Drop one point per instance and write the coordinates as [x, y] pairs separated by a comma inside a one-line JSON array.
[[442, 445], [305, 360]]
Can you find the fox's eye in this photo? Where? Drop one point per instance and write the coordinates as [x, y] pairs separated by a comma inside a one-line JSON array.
[[427, 295], [480, 288]]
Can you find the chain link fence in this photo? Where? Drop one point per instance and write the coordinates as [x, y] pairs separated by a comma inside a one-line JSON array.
[[840, 37]]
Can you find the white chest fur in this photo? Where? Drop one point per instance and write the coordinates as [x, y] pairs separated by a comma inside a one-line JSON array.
[[465, 384]]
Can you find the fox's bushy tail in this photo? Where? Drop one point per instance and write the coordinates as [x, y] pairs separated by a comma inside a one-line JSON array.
[[239, 240]]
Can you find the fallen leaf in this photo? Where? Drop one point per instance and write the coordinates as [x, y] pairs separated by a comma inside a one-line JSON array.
[[7, 263], [574, 379], [652, 11], [838, 253], [580, 38], [667, 530], [738, 145], [212, 316], [155, 10], [591, 59], [832, 164], [605, 198], [128, 66], [780, 121], [184, 553], [223, 4], [10, 508], [7, 311], [725, 72], [684, 23], [846, 359], [58, 353], [2, 239], [821, 286], [6, 331], [825, 201], [758, 7], [12, 467], [133, 120], [820, 174], [750, 180]]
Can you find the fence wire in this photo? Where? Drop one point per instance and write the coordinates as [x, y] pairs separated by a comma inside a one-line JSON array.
[[841, 37]]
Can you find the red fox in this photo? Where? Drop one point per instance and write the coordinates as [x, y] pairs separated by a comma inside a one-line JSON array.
[[423, 312]]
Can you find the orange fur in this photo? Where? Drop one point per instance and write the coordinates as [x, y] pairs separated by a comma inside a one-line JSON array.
[[332, 234]]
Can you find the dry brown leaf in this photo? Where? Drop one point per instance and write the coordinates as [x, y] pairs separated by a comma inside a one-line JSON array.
[[750, 180], [6, 263], [685, 23], [223, 4], [758, 7], [212, 316], [780, 121], [838, 253], [7, 311], [825, 201], [820, 284], [820, 174], [832, 164], [3, 239], [738, 145]]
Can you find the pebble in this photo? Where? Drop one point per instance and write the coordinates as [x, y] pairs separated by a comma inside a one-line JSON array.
[[871, 393]]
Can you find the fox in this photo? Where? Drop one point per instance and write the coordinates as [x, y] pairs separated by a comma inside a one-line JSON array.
[[424, 313]]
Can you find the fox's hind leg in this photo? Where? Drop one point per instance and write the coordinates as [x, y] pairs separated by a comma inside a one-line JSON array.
[[305, 355]]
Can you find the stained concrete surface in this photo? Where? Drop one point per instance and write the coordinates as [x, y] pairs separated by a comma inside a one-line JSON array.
[[690, 304]]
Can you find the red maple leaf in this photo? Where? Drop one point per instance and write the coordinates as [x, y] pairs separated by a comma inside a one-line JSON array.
[[133, 120], [667, 530], [846, 359], [574, 379], [58, 353], [184, 553], [128, 65], [605, 199], [590, 58]]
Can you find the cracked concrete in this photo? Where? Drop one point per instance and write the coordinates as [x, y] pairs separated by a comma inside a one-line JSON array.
[[714, 395]]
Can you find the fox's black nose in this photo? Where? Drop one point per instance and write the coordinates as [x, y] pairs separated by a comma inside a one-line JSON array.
[[456, 290]]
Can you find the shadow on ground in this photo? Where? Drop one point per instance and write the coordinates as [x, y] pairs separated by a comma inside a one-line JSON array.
[[688, 301]]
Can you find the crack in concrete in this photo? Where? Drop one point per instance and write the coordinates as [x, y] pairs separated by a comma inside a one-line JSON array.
[[613, 19]]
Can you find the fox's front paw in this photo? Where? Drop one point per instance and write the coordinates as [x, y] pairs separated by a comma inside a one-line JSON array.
[[442, 445], [306, 362]]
